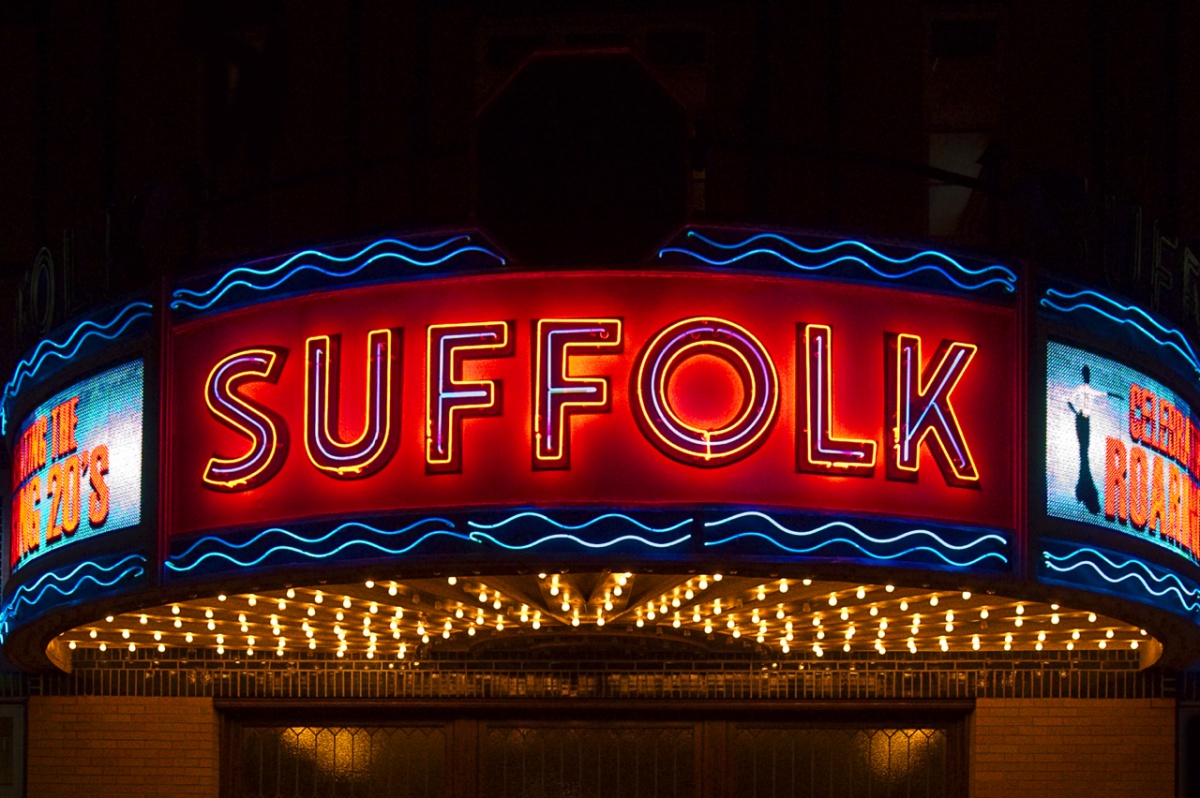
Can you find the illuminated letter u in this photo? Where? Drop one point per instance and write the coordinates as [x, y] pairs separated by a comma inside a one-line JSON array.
[[324, 432]]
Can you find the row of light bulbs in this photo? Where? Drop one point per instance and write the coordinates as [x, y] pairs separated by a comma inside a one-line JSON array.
[[667, 605]]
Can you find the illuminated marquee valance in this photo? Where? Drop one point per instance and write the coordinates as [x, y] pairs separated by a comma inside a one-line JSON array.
[[595, 389]]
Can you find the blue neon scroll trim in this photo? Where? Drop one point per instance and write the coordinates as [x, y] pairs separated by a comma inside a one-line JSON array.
[[566, 530], [308, 547], [576, 527], [1108, 308], [850, 252], [872, 547], [1116, 572], [67, 584], [67, 348], [310, 260]]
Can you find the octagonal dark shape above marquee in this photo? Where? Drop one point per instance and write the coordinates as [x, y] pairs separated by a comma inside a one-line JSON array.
[[581, 159]]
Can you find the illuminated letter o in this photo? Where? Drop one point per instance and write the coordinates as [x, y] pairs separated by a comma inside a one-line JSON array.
[[663, 426]]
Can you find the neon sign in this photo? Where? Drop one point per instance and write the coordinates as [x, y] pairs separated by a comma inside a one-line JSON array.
[[1122, 451], [596, 389], [78, 464]]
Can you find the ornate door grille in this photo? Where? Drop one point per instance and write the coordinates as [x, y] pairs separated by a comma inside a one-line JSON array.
[[625, 753]]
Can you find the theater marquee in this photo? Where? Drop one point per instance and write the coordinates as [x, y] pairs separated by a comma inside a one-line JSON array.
[[600, 389]]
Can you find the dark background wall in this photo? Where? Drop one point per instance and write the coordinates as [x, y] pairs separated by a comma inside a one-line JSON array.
[[143, 139]]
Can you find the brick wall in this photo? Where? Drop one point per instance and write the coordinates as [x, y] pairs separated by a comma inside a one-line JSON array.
[[114, 746], [1067, 747]]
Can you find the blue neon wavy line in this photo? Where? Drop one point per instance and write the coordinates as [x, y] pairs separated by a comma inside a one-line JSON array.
[[1008, 286], [1183, 347], [852, 528], [478, 536], [302, 539], [1159, 578], [312, 555], [19, 597], [1190, 606], [577, 527], [1009, 273], [85, 564], [13, 609], [179, 302], [865, 551], [133, 570], [314, 253], [29, 367]]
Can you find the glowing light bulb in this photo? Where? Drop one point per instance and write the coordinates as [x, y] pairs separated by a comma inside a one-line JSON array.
[[783, 586], [291, 593], [1091, 617], [983, 613], [174, 609], [933, 601], [966, 595], [861, 592], [903, 605], [833, 599]]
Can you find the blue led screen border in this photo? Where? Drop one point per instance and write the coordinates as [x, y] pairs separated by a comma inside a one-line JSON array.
[[107, 432], [1087, 404]]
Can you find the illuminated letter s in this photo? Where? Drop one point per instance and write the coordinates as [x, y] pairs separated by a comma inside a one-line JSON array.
[[266, 431]]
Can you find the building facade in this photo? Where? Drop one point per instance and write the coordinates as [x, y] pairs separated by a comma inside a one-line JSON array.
[[480, 399]]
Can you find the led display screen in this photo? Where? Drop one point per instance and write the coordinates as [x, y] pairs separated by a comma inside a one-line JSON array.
[[77, 466], [1122, 450]]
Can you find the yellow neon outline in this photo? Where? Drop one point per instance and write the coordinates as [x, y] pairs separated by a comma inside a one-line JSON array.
[[488, 385], [563, 409], [214, 461], [338, 446], [868, 444], [646, 415], [921, 390], [661, 389]]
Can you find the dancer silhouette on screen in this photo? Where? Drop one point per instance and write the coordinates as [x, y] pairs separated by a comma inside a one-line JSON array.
[[1081, 405]]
